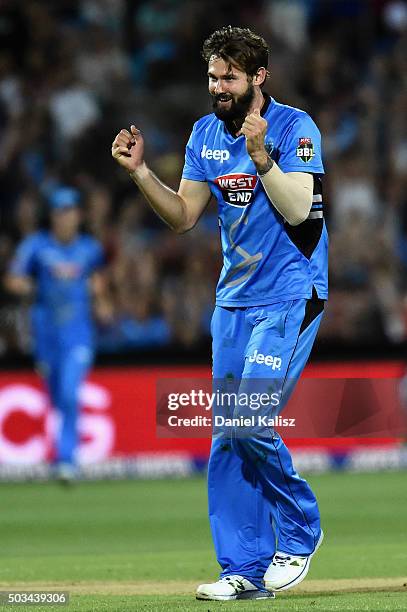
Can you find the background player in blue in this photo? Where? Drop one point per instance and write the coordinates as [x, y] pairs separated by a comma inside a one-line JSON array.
[[262, 162], [56, 267]]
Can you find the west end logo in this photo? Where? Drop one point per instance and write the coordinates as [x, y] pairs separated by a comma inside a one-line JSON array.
[[221, 155], [237, 189]]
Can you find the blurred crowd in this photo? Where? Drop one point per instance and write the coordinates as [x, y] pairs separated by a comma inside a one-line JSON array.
[[74, 72]]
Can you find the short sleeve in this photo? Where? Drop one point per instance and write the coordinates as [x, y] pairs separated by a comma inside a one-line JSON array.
[[193, 169], [23, 262], [300, 150]]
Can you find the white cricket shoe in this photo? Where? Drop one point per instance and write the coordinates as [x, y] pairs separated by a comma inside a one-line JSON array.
[[285, 571], [66, 473], [231, 587]]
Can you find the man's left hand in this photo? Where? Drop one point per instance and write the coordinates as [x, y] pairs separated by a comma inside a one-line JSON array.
[[254, 129]]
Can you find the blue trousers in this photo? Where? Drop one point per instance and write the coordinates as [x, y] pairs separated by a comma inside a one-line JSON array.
[[64, 370], [257, 501]]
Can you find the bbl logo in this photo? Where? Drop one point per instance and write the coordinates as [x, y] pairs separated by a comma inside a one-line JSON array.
[[305, 149], [237, 189]]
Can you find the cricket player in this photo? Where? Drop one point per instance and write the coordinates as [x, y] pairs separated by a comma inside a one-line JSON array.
[[58, 268], [261, 160]]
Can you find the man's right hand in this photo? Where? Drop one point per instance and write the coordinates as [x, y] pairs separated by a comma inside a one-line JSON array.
[[179, 209], [128, 149]]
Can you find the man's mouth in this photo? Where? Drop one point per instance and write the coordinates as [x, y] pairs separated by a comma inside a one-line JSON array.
[[223, 99]]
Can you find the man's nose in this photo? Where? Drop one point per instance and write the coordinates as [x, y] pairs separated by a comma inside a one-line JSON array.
[[218, 88]]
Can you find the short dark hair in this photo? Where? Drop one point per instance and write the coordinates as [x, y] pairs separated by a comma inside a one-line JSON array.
[[238, 46]]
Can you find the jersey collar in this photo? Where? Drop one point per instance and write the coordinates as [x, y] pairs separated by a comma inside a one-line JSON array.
[[267, 102]]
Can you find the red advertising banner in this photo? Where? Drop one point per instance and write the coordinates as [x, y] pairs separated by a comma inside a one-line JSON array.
[[118, 415]]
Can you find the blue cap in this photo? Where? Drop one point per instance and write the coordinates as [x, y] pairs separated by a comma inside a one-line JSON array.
[[64, 197]]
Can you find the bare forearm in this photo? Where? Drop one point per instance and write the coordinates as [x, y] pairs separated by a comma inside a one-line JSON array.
[[19, 285], [165, 202], [289, 197], [180, 210]]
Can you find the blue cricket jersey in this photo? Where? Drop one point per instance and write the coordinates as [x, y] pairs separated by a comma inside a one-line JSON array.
[[265, 260], [62, 309]]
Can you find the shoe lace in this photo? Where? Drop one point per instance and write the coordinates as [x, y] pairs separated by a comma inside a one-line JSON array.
[[235, 581], [280, 560]]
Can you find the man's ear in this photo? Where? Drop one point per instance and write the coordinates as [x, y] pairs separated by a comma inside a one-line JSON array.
[[260, 76]]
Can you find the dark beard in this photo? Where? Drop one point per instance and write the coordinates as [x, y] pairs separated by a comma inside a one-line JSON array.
[[238, 108]]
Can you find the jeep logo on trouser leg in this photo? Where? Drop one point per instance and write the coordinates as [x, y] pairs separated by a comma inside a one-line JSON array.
[[273, 362]]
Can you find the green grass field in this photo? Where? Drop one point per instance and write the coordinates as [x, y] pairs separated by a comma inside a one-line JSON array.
[[144, 545]]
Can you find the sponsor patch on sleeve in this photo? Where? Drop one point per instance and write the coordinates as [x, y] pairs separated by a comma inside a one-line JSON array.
[[305, 149]]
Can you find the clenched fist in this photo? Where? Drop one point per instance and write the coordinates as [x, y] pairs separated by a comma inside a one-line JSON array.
[[128, 149]]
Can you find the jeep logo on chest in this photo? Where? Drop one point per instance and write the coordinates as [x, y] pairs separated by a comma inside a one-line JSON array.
[[220, 155]]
